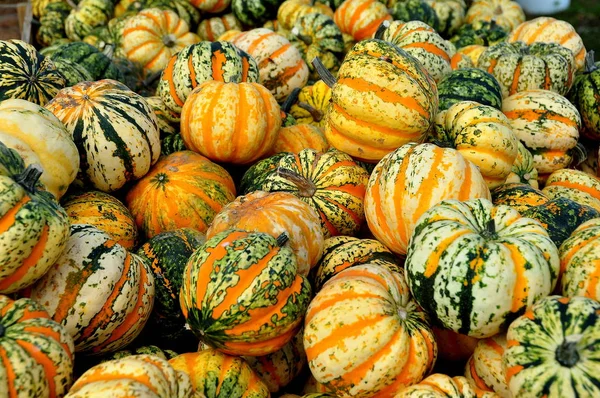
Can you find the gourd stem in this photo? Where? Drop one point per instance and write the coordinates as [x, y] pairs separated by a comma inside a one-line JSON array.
[[590, 66], [109, 51], [2, 330], [29, 177], [442, 144], [381, 30], [169, 40], [282, 239], [306, 188], [567, 355], [323, 72], [316, 114], [490, 230], [290, 100], [578, 154], [71, 4], [306, 39]]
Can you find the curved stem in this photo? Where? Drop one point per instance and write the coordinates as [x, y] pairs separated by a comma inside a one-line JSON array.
[[490, 230], [323, 72], [590, 66], [306, 188], [381, 30], [316, 114], [567, 354], [578, 154], [290, 100], [29, 177]]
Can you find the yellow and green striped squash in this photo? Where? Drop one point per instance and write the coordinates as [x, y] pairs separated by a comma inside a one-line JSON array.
[[312, 104], [217, 375], [474, 266], [36, 353], [200, 62], [439, 385], [341, 252], [383, 99], [87, 15], [547, 124], [450, 13], [115, 131], [33, 228], [98, 291], [133, 376], [422, 42], [211, 29], [579, 262], [279, 369], [482, 134], [551, 349], [484, 368], [106, 213], [365, 337], [27, 74], [242, 293], [520, 67], [330, 182], [411, 180], [573, 184], [519, 196]]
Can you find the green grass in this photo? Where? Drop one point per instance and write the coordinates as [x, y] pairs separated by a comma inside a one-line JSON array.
[[584, 15]]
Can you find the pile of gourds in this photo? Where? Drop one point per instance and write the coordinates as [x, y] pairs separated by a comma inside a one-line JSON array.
[[254, 198]]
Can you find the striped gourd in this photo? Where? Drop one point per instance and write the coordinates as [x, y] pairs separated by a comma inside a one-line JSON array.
[[211, 29], [330, 182], [167, 254], [233, 302], [499, 262], [72, 72], [254, 13], [52, 23], [365, 337], [217, 375], [171, 143], [551, 349], [484, 368], [577, 185], [579, 265], [183, 189], [360, 18], [143, 350], [200, 62], [40, 138], [482, 134], [168, 121], [414, 10], [519, 67], [398, 100], [254, 178], [481, 33], [422, 42], [87, 15], [211, 6], [98, 64], [275, 213], [439, 385], [278, 369], [450, 13], [36, 352], [318, 28], [561, 216], [281, 66], [98, 291], [472, 52], [114, 129], [506, 13], [312, 104], [585, 94], [550, 30], [548, 126], [523, 169], [106, 213], [298, 137], [230, 122], [519, 196], [411, 180], [153, 36], [341, 252], [34, 229], [469, 84], [134, 375], [27, 74], [290, 11]]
